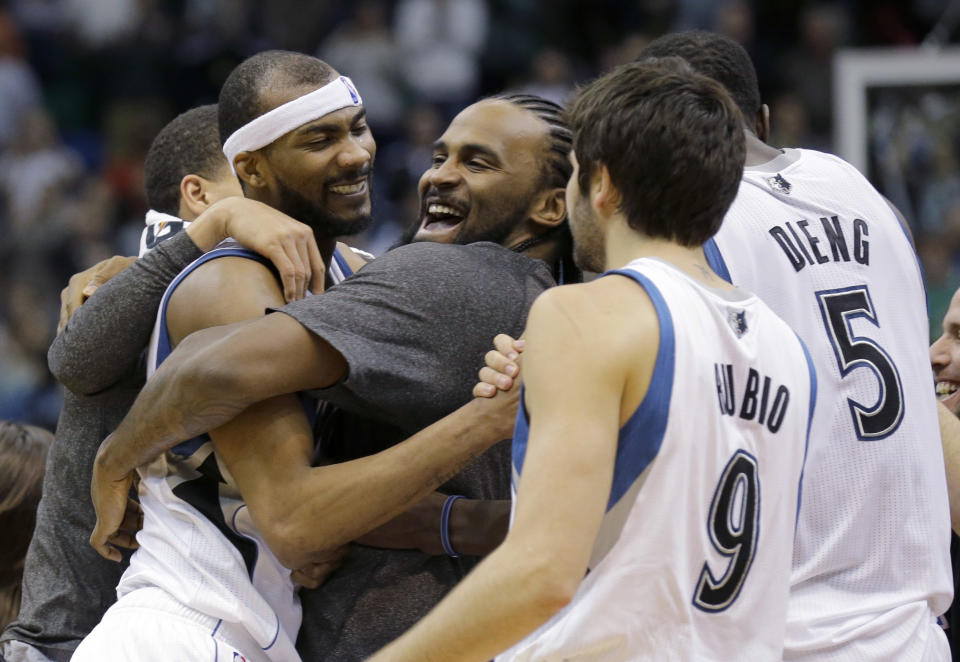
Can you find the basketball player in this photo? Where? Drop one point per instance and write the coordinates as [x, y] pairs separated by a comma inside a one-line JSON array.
[[67, 586], [684, 522], [945, 358], [810, 235], [945, 363], [499, 174], [186, 515]]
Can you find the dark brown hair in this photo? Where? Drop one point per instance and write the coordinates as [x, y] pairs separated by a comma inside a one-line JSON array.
[[23, 454], [672, 141]]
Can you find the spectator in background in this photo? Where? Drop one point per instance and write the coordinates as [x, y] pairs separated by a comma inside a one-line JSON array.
[[396, 175], [936, 253], [551, 76], [33, 175], [440, 43], [789, 123], [807, 69], [735, 20], [363, 48], [19, 89], [941, 188], [23, 455]]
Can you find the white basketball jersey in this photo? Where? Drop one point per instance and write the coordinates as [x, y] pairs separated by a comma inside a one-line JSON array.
[[198, 541], [692, 561], [813, 239]]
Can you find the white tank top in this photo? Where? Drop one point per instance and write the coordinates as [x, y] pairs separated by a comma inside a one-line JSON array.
[[871, 565], [198, 541], [692, 561]]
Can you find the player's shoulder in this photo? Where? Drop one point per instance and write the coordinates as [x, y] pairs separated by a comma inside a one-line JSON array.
[[227, 271], [606, 308], [354, 257], [827, 164]]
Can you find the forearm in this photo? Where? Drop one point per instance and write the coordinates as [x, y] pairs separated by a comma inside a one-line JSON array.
[[213, 375], [184, 398], [104, 339], [476, 527], [342, 502], [510, 594], [950, 435]]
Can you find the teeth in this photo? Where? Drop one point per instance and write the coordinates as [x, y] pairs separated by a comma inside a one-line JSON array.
[[443, 209], [347, 189], [946, 388]]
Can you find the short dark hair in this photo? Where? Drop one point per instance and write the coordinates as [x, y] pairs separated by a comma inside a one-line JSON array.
[[672, 141], [556, 167], [188, 145], [240, 97], [718, 57]]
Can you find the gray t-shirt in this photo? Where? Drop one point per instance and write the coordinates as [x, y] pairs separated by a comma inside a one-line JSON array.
[[414, 326], [67, 586]]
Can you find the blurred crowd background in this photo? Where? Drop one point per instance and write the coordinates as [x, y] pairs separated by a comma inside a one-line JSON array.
[[86, 84]]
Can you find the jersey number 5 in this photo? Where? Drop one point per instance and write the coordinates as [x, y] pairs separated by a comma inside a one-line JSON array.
[[838, 308], [734, 527]]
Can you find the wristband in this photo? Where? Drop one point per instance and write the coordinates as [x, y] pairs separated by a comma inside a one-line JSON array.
[[445, 525]]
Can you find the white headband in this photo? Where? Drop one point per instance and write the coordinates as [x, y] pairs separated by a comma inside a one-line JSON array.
[[263, 130]]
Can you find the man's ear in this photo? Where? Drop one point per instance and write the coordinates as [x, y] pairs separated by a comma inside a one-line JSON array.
[[193, 196], [762, 128], [549, 207], [605, 197], [251, 169]]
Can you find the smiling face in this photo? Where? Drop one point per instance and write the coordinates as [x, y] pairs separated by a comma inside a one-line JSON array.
[[487, 168], [945, 357], [320, 172]]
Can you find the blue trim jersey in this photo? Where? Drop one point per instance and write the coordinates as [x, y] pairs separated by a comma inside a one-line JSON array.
[[813, 239], [198, 542], [692, 560]]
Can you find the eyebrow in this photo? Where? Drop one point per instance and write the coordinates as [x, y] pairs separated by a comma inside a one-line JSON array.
[[471, 148], [331, 127]]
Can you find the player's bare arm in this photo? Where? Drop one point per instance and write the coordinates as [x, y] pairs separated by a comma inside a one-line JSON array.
[[302, 511], [211, 377], [578, 330], [221, 291], [290, 245], [203, 385], [476, 526]]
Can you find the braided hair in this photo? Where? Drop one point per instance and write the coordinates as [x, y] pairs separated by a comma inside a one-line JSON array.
[[556, 172]]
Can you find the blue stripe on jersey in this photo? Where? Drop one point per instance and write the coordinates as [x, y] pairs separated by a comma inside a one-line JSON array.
[[342, 263], [203, 493], [164, 346], [715, 259], [521, 431], [813, 406], [641, 436]]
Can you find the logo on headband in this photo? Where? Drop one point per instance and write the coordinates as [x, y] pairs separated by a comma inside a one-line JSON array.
[[351, 89]]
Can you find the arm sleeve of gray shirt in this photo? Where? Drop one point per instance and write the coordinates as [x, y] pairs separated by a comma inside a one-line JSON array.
[[415, 323], [105, 337]]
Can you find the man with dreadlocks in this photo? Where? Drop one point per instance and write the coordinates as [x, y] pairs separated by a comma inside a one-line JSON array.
[[398, 344]]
